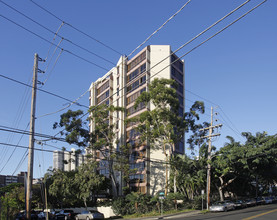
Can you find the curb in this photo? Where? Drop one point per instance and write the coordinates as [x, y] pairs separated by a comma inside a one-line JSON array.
[[170, 216]]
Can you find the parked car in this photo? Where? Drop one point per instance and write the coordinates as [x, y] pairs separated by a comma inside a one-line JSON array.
[[268, 200], [43, 215], [230, 204], [251, 202], [92, 214], [65, 214], [260, 201], [239, 204], [22, 215], [221, 206]]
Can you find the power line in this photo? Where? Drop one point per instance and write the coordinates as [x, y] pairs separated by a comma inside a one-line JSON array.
[[80, 31], [53, 42], [70, 104], [51, 151], [56, 34], [14, 149], [19, 131], [50, 93], [22, 107], [73, 54], [24, 156], [159, 28], [229, 120], [52, 67], [224, 17]]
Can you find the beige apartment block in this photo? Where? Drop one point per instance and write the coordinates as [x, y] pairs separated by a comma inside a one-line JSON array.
[[121, 86]]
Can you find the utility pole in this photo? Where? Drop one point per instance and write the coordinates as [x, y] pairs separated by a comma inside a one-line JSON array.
[[210, 128], [31, 138]]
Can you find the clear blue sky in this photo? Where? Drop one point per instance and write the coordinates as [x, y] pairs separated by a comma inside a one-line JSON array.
[[236, 70]]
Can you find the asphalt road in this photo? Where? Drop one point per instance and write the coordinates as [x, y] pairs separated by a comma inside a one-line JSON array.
[[263, 212]]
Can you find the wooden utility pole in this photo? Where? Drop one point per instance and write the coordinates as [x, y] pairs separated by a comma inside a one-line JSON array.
[[210, 128], [31, 140]]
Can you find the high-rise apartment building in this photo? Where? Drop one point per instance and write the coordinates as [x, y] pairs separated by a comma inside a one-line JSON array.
[[67, 161], [121, 86]]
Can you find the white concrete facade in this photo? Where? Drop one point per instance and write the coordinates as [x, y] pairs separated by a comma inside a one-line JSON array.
[[67, 161], [126, 81]]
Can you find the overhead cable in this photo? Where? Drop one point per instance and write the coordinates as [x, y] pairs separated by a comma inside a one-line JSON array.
[[54, 40], [14, 149], [56, 34], [50, 93], [73, 54], [49, 74], [67, 106], [224, 17], [77, 29], [159, 28], [51, 151]]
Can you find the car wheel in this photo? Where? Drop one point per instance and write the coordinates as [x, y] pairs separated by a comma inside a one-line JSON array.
[[225, 209]]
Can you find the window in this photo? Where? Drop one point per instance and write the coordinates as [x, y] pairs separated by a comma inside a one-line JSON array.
[[136, 84], [103, 96], [139, 166], [136, 73], [181, 100], [103, 87], [180, 88], [132, 134], [181, 111], [117, 79], [133, 110], [136, 178], [117, 91], [176, 74], [179, 64], [133, 97], [136, 61]]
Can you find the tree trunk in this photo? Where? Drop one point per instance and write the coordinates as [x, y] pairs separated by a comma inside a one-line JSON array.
[[221, 194], [220, 189], [174, 181]]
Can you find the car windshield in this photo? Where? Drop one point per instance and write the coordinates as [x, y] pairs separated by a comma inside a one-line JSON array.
[[218, 203], [85, 212]]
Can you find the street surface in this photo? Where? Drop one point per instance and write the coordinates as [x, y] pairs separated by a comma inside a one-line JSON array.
[[263, 212]]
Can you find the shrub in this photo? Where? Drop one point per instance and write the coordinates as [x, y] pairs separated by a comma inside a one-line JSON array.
[[121, 206]]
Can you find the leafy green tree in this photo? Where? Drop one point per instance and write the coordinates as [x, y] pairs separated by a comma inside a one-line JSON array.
[[62, 187], [101, 139], [190, 175], [254, 161], [12, 200], [88, 182], [163, 127]]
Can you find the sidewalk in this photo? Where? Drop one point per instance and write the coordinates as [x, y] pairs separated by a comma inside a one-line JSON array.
[[169, 216]]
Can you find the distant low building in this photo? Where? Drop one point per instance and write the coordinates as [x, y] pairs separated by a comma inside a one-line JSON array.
[[9, 179]]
